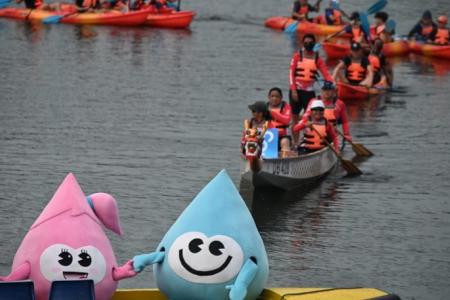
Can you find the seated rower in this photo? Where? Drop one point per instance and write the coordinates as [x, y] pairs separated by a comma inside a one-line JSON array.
[[356, 67], [425, 29], [442, 35], [280, 118], [258, 122], [382, 70], [333, 14], [316, 128], [355, 30], [87, 5], [378, 29], [302, 9], [39, 4], [335, 109], [119, 5]]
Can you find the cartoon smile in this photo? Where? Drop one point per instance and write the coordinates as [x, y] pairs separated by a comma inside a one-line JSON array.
[[203, 273], [75, 275]]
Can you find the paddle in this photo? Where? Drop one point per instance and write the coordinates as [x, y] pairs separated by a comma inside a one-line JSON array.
[[390, 26], [4, 3], [359, 149], [350, 167], [57, 19]]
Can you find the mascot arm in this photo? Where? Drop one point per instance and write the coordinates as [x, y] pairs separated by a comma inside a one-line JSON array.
[[143, 260], [20, 273], [238, 290], [123, 272]]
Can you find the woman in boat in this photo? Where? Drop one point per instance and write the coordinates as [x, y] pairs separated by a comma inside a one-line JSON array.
[[382, 70], [280, 118], [315, 129], [442, 35], [335, 110], [356, 67], [302, 9], [425, 29]]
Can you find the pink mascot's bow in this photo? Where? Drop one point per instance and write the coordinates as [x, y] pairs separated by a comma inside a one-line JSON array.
[[67, 241]]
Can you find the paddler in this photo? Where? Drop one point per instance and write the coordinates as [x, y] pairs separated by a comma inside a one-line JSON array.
[[302, 9], [304, 70], [87, 5], [280, 118], [316, 128], [335, 110], [378, 29], [356, 67], [355, 30], [333, 14], [382, 70], [442, 35], [134, 5], [39, 4], [425, 29]]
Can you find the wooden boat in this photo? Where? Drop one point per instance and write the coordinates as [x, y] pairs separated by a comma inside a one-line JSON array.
[[290, 173], [277, 294]]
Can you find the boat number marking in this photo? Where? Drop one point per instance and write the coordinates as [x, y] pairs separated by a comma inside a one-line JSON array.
[[281, 168]]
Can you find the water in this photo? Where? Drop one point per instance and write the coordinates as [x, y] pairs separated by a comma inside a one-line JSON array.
[[150, 116]]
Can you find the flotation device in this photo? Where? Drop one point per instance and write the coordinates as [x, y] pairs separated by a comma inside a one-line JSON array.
[[427, 30], [330, 113], [312, 139], [337, 16], [306, 68], [375, 62], [304, 10], [357, 34], [356, 71], [442, 36], [275, 124]]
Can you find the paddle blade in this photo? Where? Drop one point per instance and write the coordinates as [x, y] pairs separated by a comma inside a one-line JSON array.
[[350, 167], [390, 26], [360, 150], [291, 28], [52, 20], [365, 25], [4, 4], [376, 7], [317, 47]]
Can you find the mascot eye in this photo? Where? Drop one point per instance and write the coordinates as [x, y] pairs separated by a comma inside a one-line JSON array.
[[194, 245], [215, 247], [66, 258], [85, 260]]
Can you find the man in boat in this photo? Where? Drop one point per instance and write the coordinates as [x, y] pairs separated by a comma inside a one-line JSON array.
[[315, 129], [355, 30], [335, 110], [304, 69], [255, 128], [442, 35], [382, 70], [356, 67], [333, 15], [378, 29], [425, 29], [280, 118], [302, 8]]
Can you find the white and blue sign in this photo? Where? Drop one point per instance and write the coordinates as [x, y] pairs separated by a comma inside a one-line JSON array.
[[270, 144]]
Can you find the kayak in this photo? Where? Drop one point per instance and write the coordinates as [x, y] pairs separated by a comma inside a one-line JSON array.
[[397, 48], [280, 23], [357, 92], [170, 19], [101, 18], [277, 294], [430, 50]]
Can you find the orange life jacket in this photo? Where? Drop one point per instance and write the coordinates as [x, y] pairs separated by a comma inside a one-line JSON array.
[[306, 68], [38, 3], [442, 36], [311, 139], [89, 3], [330, 114], [356, 71], [304, 10], [337, 16], [426, 31], [356, 34], [274, 123], [375, 62]]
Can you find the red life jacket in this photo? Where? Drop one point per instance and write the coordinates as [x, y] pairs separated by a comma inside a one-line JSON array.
[[375, 62], [306, 68], [442, 36], [357, 34], [356, 72], [311, 139], [337, 16]]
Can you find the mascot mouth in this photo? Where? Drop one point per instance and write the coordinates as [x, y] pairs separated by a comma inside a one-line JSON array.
[[203, 273], [75, 275]]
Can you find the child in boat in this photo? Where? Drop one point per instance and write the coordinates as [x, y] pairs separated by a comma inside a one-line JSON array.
[[316, 129], [280, 118], [442, 34], [258, 122], [378, 28], [302, 9]]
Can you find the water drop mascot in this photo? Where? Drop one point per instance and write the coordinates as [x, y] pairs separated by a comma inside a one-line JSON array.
[[67, 242], [212, 251]]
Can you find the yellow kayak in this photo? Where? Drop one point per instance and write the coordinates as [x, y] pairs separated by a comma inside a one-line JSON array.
[[278, 294]]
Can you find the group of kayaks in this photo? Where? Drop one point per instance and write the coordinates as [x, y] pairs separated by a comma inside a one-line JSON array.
[[149, 16]]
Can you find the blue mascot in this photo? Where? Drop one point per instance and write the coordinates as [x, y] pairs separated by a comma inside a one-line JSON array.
[[213, 251]]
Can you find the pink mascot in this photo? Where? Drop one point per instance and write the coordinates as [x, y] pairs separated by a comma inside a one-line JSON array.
[[67, 242]]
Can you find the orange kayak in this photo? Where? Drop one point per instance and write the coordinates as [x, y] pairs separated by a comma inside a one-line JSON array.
[[348, 92], [170, 19], [430, 50], [101, 18], [397, 48], [280, 23]]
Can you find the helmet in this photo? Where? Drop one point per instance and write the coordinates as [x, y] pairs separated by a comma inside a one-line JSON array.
[[443, 19], [317, 104]]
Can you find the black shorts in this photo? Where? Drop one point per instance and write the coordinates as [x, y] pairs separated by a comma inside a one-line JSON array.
[[303, 100]]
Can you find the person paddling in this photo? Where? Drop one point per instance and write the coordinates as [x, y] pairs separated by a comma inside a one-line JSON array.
[[442, 34], [378, 30], [87, 5], [425, 29], [335, 110], [382, 70], [302, 9], [316, 128], [280, 118], [356, 67], [355, 30], [39, 4], [304, 70]]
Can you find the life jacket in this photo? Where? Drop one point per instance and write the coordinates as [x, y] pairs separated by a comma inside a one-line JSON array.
[[337, 15], [375, 62], [281, 109], [311, 139], [87, 3], [259, 128], [356, 72], [442, 36], [306, 69], [376, 31], [357, 33], [304, 10], [426, 31], [330, 111]]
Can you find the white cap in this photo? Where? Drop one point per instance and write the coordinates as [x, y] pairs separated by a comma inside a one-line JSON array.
[[317, 104]]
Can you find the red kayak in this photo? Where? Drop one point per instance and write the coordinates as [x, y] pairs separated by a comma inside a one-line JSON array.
[[397, 48], [430, 50], [348, 92], [280, 23], [169, 18]]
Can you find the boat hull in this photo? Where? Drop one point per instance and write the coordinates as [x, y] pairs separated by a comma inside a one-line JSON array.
[[280, 23], [334, 51], [430, 50], [173, 20], [348, 92]]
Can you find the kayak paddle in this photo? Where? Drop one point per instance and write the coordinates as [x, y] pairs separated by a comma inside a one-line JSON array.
[[359, 149], [56, 19], [377, 7], [390, 26], [4, 3]]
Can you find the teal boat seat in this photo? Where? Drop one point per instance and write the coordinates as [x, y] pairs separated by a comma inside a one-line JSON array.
[[17, 290], [72, 290]]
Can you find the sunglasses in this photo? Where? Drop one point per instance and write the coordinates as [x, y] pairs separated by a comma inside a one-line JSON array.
[[317, 109]]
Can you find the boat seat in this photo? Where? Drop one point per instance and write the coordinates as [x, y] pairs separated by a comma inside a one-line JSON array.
[[72, 290], [17, 290]]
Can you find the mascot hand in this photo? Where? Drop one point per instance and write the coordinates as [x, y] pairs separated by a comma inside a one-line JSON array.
[[125, 271], [237, 291], [139, 262]]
